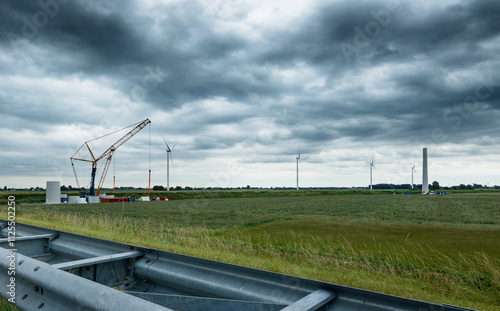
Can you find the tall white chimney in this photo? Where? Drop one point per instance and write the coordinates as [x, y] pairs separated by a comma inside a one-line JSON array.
[[425, 178]]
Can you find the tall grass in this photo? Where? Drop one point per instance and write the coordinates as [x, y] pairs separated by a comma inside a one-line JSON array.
[[408, 270]]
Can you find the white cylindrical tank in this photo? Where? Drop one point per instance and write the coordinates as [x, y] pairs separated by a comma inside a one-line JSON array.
[[53, 192]]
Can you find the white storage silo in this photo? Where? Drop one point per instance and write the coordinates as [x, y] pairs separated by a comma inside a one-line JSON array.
[[53, 192]]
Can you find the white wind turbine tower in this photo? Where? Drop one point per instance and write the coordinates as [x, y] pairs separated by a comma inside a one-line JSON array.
[[371, 166], [298, 158], [412, 170], [169, 159]]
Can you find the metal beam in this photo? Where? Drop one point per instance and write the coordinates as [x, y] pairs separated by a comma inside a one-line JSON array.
[[190, 303], [312, 301], [96, 260], [38, 285], [49, 236]]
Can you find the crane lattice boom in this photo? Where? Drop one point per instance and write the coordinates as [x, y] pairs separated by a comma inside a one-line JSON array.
[[108, 154]]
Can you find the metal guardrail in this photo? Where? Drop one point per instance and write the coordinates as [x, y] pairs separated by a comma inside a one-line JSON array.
[[55, 270]]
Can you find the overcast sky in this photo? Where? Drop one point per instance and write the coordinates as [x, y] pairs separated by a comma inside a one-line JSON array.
[[240, 84]]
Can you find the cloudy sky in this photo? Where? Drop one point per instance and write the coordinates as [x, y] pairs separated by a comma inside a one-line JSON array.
[[241, 84]]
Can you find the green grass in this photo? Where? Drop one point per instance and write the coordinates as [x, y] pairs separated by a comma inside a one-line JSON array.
[[39, 196], [462, 210], [7, 306], [442, 249]]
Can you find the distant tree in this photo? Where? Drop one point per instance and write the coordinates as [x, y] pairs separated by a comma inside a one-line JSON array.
[[70, 187], [158, 188], [469, 187], [435, 185], [64, 188], [5, 188], [178, 188], [462, 187], [248, 187]]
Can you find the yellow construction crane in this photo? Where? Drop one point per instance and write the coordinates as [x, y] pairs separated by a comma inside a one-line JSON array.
[[108, 154]]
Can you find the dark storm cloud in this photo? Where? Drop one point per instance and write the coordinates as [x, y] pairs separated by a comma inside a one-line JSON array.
[[423, 39], [73, 28], [365, 71]]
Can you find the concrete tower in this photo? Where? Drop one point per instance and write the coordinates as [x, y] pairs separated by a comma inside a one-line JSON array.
[[425, 178], [53, 192]]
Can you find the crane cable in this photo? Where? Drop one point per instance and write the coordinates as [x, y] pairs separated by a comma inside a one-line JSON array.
[[76, 177], [112, 132], [114, 172], [149, 183]]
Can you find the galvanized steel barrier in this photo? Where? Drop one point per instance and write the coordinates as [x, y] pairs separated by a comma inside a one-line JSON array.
[[56, 270]]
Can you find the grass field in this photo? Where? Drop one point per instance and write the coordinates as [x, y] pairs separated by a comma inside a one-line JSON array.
[[442, 249]]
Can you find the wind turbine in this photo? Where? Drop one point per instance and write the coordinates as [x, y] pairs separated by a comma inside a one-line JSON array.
[[412, 170], [298, 158], [371, 166], [169, 158]]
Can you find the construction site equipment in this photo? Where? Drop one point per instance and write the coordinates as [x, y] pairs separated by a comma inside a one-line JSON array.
[[55, 270], [108, 154]]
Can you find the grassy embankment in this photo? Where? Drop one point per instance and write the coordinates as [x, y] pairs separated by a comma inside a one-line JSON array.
[[442, 249]]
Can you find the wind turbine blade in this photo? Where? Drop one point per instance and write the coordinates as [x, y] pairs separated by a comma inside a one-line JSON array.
[[174, 146], [172, 160], [168, 148]]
